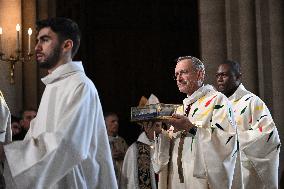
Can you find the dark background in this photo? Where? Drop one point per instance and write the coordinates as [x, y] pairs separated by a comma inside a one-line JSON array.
[[128, 49]]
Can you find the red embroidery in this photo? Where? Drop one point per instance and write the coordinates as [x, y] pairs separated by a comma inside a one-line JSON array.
[[209, 101]]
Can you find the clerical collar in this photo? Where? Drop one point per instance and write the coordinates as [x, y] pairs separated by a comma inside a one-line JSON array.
[[198, 94], [239, 93], [62, 71]]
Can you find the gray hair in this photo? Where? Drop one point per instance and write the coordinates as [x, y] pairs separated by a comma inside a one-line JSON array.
[[197, 64]]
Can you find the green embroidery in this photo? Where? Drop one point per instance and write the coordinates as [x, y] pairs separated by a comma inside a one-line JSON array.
[[248, 98], [219, 126], [194, 111], [278, 146], [218, 107], [269, 136], [229, 139], [261, 117], [243, 110]]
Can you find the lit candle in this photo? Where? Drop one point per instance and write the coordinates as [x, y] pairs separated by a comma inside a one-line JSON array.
[[18, 27], [1, 32], [30, 31]]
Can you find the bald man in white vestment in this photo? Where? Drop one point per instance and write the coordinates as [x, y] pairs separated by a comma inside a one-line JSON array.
[[66, 145]]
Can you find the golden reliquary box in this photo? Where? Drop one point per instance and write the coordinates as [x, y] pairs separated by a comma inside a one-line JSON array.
[[155, 111]]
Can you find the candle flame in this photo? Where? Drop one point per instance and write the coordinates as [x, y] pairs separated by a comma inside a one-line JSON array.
[[1, 31], [30, 31], [18, 27]]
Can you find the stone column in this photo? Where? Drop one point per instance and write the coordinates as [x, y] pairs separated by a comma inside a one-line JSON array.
[[212, 35], [276, 93], [30, 73]]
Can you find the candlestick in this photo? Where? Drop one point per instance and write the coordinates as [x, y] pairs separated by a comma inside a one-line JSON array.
[[18, 28], [30, 31], [18, 57]]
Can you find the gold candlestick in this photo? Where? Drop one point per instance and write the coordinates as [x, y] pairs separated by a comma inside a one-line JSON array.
[[12, 60]]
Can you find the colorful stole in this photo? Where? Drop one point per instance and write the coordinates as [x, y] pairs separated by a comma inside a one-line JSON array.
[[143, 165]]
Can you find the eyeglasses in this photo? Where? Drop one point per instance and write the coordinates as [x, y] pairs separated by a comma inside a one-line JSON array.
[[180, 74]]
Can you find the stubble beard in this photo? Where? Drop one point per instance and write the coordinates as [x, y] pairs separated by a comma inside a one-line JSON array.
[[52, 59]]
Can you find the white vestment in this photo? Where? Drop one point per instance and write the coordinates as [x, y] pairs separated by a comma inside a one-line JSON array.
[[5, 131], [129, 173], [259, 142], [207, 159], [67, 144], [5, 121]]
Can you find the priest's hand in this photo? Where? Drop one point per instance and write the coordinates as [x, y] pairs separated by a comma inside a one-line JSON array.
[[179, 122]]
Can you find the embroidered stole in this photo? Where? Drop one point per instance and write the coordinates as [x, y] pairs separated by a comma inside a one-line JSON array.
[[180, 147], [143, 165]]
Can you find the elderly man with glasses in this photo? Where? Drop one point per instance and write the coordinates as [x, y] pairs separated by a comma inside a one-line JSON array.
[[201, 151]]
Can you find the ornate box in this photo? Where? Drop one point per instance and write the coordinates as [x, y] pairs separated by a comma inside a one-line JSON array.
[[154, 111]]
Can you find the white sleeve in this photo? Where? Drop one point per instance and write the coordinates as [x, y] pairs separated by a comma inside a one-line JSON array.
[[5, 121], [261, 144], [129, 167], [43, 161], [217, 146], [160, 157]]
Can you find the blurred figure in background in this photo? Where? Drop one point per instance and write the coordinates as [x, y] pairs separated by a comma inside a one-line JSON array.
[[117, 143], [27, 116], [21, 126], [16, 128]]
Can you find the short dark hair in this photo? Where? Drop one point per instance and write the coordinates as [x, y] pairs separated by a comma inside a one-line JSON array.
[[235, 66], [106, 114], [27, 110], [15, 119], [65, 28]]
